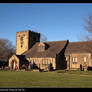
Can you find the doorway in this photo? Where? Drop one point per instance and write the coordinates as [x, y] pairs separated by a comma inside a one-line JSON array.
[[14, 65]]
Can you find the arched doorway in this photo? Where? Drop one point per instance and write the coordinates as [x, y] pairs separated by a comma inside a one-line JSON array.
[[14, 65]]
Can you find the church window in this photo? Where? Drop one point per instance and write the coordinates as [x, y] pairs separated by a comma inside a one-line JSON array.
[[85, 59], [35, 61], [49, 62], [46, 62], [21, 42], [32, 61], [74, 60]]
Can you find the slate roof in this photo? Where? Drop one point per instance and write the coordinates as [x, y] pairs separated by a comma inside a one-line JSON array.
[[79, 47], [54, 48]]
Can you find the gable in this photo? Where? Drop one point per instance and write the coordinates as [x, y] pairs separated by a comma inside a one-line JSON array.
[[14, 57]]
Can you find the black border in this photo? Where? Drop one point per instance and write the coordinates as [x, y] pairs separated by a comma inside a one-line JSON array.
[[40, 89], [45, 1]]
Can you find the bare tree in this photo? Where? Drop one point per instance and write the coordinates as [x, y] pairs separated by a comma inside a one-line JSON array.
[[43, 38], [6, 49], [88, 27]]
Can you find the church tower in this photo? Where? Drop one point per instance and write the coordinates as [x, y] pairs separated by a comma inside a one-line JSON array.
[[25, 40]]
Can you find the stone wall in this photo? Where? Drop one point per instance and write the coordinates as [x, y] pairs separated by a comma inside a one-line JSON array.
[[43, 63], [78, 60]]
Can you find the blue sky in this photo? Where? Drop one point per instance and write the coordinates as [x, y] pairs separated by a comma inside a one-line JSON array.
[[57, 21]]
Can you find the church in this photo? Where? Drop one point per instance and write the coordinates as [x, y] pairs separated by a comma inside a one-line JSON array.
[[31, 53]]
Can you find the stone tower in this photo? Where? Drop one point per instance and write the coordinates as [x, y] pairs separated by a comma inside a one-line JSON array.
[[25, 40]]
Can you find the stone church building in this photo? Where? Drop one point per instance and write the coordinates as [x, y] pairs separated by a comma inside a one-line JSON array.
[[55, 55]]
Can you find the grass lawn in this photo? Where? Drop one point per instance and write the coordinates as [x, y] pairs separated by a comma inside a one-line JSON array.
[[56, 79]]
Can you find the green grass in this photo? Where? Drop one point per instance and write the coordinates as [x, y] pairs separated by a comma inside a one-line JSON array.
[[56, 79]]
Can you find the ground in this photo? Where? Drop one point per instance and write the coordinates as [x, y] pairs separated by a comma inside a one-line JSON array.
[[56, 79]]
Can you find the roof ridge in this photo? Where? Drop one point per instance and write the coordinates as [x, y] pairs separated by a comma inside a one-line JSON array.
[[80, 42], [57, 41]]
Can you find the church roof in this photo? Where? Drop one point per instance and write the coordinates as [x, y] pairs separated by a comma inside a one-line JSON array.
[[54, 48], [79, 47]]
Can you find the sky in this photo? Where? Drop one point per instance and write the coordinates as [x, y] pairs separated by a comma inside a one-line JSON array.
[[57, 21]]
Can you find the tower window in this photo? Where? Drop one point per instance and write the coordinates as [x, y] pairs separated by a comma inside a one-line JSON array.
[[21, 42]]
